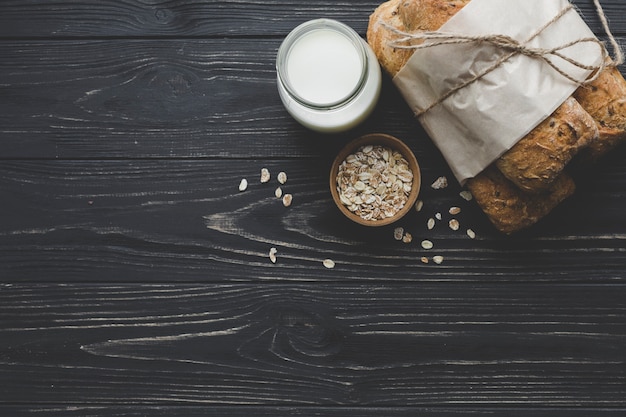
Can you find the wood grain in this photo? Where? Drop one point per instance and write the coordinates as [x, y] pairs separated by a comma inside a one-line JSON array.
[[414, 344], [133, 18], [269, 411], [164, 99], [151, 220], [135, 278], [158, 99]]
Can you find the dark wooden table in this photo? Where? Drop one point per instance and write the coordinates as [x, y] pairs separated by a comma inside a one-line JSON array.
[[135, 278]]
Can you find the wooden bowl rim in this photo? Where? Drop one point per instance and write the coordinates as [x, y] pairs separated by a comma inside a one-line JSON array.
[[384, 140]]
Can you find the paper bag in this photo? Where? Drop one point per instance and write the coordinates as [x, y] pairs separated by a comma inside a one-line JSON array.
[[481, 121]]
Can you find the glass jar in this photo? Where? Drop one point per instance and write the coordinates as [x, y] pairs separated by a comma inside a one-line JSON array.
[[329, 78]]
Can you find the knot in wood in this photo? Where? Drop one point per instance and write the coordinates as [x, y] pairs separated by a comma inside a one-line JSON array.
[[307, 333]]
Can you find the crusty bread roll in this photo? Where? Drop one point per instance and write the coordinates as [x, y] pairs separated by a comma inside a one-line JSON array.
[[511, 209], [538, 159], [525, 164], [408, 16], [528, 181], [605, 100]]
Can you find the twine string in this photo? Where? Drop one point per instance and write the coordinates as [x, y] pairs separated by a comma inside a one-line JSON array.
[[617, 49], [513, 47]]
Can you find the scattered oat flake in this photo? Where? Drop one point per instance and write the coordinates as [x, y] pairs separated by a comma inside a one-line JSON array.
[[440, 183], [398, 233], [431, 224], [471, 234], [438, 216], [243, 185], [419, 205], [278, 193], [273, 252], [287, 199], [424, 260], [427, 244], [282, 177], [407, 238], [454, 210], [438, 260], [265, 175], [454, 224], [466, 195], [329, 263]]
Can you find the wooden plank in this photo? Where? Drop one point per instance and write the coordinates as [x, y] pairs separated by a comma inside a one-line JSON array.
[[533, 325], [258, 411], [505, 345], [157, 99], [163, 99], [152, 220], [97, 18]]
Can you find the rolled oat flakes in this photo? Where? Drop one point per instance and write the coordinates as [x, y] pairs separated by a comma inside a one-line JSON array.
[[374, 182]]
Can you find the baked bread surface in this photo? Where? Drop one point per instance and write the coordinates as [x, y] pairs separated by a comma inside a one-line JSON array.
[[536, 161], [520, 165], [605, 100], [531, 174], [511, 209], [407, 16]]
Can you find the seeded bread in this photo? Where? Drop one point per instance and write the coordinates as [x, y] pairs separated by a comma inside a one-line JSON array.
[[528, 181], [605, 100], [537, 160], [511, 209], [525, 164]]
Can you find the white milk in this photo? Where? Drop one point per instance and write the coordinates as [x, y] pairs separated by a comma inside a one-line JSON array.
[[324, 67], [328, 77]]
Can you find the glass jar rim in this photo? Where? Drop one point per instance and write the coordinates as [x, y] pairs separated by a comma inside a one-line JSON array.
[[305, 28]]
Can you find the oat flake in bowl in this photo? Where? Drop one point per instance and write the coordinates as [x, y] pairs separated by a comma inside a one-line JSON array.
[[375, 180]]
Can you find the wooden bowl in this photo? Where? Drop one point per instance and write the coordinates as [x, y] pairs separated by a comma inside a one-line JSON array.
[[386, 141]]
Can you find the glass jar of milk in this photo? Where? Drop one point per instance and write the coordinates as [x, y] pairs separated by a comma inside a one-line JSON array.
[[328, 77]]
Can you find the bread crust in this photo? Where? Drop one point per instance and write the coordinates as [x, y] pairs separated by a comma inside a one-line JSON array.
[[605, 100], [511, 209], [537, 160], [407, 16], [526, 183], [533, 175]]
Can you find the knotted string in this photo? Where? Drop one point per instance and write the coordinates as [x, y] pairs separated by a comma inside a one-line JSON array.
[[514, 47]]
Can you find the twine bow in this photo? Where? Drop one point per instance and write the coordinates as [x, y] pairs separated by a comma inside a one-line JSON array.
[[514, 47]]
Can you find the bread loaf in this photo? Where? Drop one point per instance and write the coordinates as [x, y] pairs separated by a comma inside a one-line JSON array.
[[511, 209], [528, 181], [605, 100], [408, 16], [538, 159], [518, 165]]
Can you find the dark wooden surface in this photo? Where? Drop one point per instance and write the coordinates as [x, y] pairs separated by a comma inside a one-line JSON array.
[[135, 279]]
